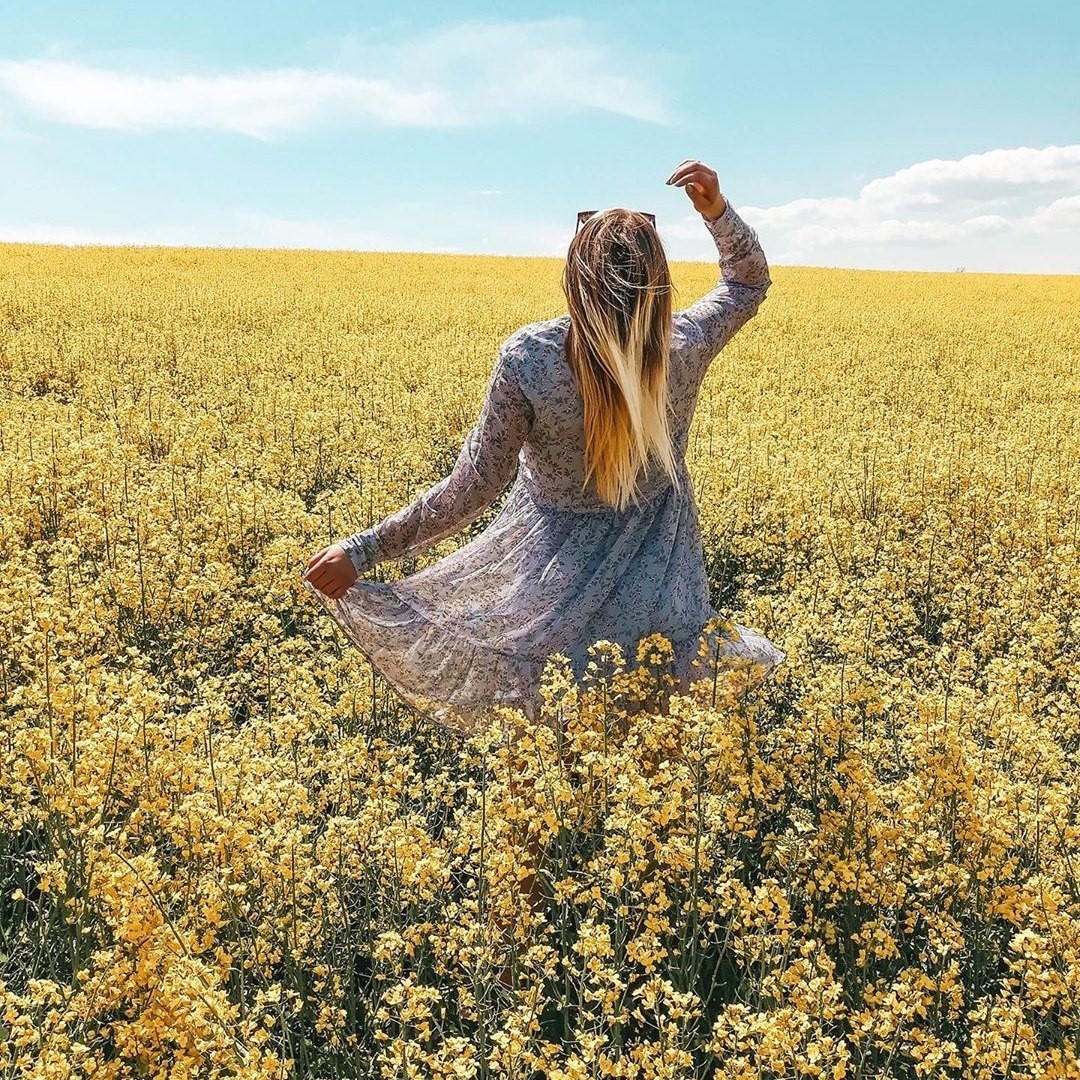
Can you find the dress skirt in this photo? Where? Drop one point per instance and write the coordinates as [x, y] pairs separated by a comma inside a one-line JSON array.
[[476, 627]]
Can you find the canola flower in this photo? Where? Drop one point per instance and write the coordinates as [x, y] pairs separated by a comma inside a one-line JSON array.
[[227, 850]]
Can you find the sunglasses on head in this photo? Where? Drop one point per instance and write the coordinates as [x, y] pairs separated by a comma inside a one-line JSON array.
[[584, 215]]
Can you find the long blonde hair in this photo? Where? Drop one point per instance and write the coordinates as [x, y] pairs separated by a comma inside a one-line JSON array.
[[619, 291]]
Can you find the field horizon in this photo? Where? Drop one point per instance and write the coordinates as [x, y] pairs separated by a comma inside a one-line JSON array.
[[37, 245]]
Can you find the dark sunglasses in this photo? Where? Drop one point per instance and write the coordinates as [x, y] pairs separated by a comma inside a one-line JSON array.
[[584, 215]]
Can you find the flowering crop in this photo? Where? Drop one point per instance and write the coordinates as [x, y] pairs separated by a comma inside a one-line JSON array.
[[227, 849]]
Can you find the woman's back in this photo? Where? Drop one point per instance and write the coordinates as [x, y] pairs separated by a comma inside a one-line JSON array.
[[552, 458], [553, 455]]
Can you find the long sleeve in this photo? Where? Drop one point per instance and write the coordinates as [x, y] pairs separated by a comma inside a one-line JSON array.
[[486, 464], [710, 323]]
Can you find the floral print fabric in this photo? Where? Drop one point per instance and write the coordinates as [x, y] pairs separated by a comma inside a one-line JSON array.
[[557, 569]]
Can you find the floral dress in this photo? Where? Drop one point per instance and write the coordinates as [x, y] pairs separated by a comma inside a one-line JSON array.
[[557, 569]]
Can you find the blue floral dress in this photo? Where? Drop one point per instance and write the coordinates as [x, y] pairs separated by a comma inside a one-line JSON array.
[[557, 569]]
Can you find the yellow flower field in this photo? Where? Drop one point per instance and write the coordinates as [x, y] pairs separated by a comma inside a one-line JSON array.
[[227, 850]]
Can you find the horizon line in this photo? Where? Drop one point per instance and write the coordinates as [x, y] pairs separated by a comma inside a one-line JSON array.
[[491, 255]]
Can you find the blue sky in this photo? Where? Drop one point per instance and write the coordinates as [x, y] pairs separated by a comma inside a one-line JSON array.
[[921, 136]]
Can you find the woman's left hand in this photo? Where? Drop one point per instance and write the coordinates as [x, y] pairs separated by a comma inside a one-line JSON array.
[[331, 571]]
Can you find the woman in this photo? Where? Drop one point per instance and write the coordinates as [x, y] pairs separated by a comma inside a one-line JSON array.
[[599, 535]]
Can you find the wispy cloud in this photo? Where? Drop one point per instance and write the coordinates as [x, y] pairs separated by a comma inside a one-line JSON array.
[[477, 72], [259, 104], [1016, 208], [502, 69]]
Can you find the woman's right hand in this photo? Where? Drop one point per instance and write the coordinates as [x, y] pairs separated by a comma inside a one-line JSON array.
[[702, 185], [331, 571]]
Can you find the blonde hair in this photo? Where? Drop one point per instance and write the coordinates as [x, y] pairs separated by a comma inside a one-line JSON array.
[[619, 291]]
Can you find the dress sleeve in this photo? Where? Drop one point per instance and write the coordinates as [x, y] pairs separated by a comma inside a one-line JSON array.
[[709, 324], [486, 464]]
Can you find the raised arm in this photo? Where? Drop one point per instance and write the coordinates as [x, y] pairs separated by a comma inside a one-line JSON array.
[[486, 464], [709, 324]]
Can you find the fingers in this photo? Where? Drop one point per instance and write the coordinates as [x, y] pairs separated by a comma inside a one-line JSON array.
[[685, 161], [332, 587], [328, 576], [316, 569], [318, 574], [701, 179], [685, 168], [322, 579]]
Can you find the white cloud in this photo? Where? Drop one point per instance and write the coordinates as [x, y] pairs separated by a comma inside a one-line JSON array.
[[1063, 213], [258, 104], [1014, 209], [489, 191], [480, 71], [974, 212], [976, 177]]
